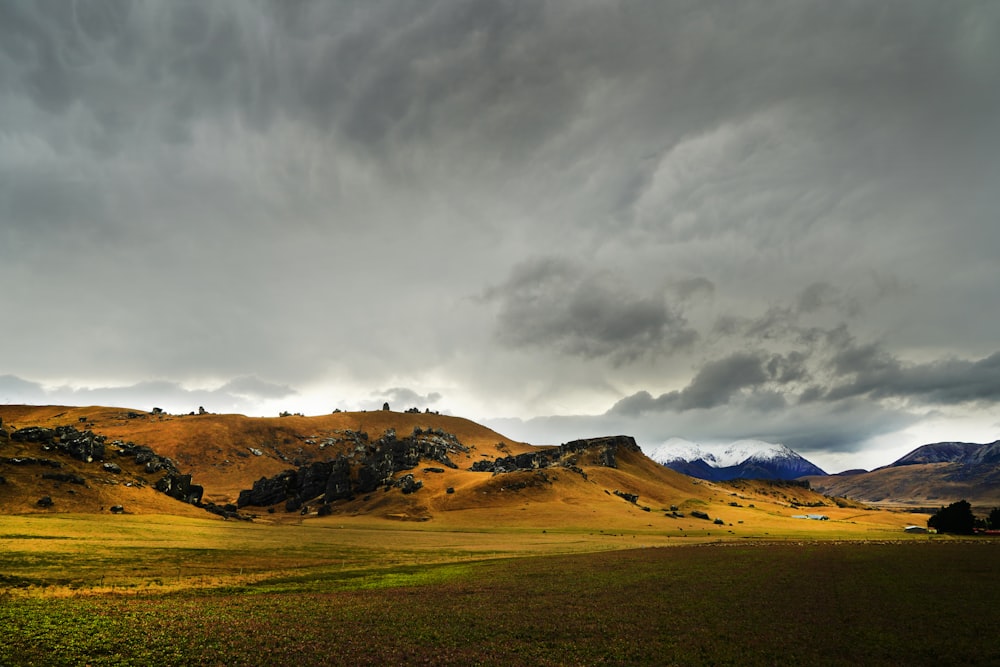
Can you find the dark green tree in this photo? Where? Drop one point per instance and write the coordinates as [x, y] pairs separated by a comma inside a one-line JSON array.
[[955, 518], [993, 520]]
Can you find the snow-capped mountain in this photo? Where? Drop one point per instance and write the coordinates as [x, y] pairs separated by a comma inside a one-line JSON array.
[[741, 459]]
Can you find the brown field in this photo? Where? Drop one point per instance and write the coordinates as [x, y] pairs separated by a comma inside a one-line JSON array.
[[175, 591]]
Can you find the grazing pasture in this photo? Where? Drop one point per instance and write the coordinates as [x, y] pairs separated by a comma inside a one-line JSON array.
[[173, 591]]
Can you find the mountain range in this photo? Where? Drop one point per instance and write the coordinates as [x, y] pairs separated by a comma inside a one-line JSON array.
[[929, 476], [743, 459], [964, 453]]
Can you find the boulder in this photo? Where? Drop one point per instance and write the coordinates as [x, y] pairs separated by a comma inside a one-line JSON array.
[[112, 468], [117, 509], [407, 484], [630, 497], [83, 446], [267, 491], [180, 487], [44, 501]]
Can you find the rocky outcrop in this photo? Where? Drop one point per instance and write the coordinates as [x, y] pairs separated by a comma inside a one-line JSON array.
[[174, 483], [389, 455], [268, 490], [630, 497], [407, 484], [33, 434], [369, 466], [83, 446], [604, 450], [89, 447], [180, 487], [592, 451]]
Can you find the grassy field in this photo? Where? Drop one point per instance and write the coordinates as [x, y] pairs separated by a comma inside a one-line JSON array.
[[174, 591]]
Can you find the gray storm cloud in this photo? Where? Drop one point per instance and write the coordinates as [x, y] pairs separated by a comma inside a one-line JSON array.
[[566, 306], [677, 209]]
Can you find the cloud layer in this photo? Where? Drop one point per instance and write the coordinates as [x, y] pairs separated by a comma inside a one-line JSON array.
[[692, 219]]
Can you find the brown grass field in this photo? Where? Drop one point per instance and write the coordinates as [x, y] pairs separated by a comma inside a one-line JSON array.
[[509, 569], [175, 591]]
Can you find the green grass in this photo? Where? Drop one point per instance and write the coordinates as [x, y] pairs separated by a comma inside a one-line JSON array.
[[931, 603]]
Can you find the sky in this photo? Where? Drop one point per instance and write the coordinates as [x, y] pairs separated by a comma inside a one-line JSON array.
[[705, 220]]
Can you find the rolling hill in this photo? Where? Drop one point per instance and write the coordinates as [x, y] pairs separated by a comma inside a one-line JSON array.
[[387, 466]]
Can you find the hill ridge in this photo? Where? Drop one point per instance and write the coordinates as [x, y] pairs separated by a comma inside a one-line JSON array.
[[492, 481]]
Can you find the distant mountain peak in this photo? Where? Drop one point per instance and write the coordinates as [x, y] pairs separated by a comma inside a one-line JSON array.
[[966, 453], [739, 459]]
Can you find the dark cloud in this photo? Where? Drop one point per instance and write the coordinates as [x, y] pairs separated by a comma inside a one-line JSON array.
[[870, 370], [717, 382], [577, 310], [800, 198]]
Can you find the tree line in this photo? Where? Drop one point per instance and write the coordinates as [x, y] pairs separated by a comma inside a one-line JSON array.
[[958, 518]]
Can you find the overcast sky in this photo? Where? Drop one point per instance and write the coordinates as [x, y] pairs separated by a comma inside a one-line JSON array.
[[775, 220]]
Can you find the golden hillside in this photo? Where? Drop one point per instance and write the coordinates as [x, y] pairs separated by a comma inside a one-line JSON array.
[[227, 454]]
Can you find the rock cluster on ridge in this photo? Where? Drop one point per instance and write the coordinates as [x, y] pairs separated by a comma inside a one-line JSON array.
[[366, 468]]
